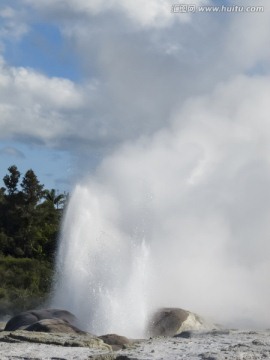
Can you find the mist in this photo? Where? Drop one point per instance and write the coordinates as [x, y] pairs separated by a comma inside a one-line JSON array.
[[178, 219], [179, 215]]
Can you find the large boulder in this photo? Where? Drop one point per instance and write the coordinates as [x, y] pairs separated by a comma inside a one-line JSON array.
[[54, 326], [27, 319], [59, 339], [117, 342], [173, 321]]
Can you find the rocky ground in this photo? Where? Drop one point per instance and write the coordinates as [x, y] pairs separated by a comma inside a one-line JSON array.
[[231, 345], [174, 334], [189, 345]]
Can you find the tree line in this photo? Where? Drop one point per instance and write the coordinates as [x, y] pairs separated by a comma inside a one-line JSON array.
[[30, 216]]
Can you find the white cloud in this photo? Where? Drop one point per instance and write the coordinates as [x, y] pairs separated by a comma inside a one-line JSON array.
[[153, 13], [134, 80], [13, 24], [247, 36], [33, 105]]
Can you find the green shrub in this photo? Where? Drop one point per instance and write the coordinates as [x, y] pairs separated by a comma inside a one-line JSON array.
[[25, 283]]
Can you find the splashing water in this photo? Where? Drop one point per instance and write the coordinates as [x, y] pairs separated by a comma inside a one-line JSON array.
[[179, 219], [103, 274]]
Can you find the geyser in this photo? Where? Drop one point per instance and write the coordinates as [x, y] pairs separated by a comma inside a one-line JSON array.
[[177, 219], [102, 270]]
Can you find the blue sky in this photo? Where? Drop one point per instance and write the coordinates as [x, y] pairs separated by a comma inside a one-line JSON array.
[[53, 168], [79, 79], [44, 50]]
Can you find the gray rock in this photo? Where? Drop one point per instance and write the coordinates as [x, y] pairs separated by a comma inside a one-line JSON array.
[[54, 326], [24, 319], [99, 357], [195, 333], [209, 356], [23, 344], [70, 340], [173, 321], [117, 342], [2, 325]]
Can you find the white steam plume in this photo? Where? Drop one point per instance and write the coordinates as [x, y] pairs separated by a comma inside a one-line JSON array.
[[180, 218]]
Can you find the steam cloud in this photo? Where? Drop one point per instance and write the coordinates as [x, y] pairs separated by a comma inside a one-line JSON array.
[[179, 217]]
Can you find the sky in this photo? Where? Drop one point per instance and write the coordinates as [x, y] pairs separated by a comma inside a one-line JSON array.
[[78, 79]]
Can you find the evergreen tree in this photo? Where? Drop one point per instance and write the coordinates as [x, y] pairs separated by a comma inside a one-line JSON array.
[[11, 181], [32, 189], [29, 225], [29, 217]]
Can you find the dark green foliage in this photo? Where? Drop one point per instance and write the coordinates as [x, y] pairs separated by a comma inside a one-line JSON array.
[[11, 181], [30, 219], [54, 199], [32, 189], [24, 284]]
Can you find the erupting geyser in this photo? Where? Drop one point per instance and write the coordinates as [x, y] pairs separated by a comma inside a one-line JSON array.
[[177, 219], [103, 271]]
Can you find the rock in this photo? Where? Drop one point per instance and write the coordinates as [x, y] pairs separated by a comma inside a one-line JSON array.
[[117, 342], [70, 340], [54, 326], [100, 357], [173, 321], [218, 345], [24, 319], [38, 345], [184, 335], [195, 333], [209, 356]]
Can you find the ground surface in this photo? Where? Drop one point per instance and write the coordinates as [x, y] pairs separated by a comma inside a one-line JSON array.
[[220, 345], [231, 345]]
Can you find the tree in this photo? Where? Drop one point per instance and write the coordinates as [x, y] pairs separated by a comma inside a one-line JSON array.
[[11, 181], [2, 194], [30, 217], [52, 197], [32, 189]]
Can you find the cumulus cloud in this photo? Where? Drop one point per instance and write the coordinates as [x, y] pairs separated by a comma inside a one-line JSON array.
[[136, 77], [33, 105], [154, 13]]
